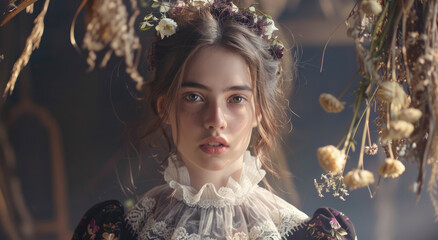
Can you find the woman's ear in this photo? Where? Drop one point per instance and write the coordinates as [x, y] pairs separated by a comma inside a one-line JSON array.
[[161, 103]]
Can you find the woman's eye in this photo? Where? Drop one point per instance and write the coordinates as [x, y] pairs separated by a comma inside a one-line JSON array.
[[237, 99], [192, 97]]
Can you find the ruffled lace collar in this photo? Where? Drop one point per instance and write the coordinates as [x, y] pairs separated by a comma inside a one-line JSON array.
[[177, 177]]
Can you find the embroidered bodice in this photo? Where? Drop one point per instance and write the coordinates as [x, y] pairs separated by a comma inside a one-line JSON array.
[[240, 210]]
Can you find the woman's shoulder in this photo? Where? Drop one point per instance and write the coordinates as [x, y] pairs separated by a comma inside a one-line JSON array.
[[104, 220], [326, 224]]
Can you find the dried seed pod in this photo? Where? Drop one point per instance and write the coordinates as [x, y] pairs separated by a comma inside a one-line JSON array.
[[330, 103], [409, 115], [392, 92], [370, 7], [331, 159], [371, 150], [391, 168], [399, 129], [358, 178]]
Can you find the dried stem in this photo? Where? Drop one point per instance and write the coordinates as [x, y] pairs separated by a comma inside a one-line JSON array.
[[32, 42], [362, 146]]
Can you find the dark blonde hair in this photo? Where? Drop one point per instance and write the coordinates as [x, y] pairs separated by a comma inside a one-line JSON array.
[[203, 27]]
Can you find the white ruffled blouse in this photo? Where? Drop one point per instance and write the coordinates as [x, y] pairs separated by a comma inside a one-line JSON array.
[[240, 210]]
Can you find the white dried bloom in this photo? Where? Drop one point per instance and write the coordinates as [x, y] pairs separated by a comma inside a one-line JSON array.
[[234, 8], [202, 2], [399, 129], [391, 168], [392, 92], [409, 115], [331, 159], [358, 178], [370, 7], [270, 28], [330, 103], [164, 7], [166, 27]]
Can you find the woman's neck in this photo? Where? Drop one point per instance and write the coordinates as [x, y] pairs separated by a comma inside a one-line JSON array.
[[219, 178]]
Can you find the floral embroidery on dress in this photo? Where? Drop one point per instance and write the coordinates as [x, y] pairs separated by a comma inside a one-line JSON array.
[[103, 222], [315, 230]]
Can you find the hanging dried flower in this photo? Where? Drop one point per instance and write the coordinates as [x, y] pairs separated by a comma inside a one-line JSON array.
[[330, 103], [370, 7], [409, 115], [358, 178], [391, 168], [392, 92], [331, 159], [400, 129], [371, 150]]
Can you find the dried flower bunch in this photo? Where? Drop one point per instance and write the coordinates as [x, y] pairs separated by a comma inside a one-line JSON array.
[[110, 27], [396, 44], [261, 23]]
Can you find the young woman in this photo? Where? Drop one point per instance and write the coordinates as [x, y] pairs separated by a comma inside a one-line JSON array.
[[217, 82]]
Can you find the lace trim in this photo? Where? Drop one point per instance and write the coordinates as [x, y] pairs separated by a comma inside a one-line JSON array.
[[233, 194], [139, 213], [152, 229], [290, 223]]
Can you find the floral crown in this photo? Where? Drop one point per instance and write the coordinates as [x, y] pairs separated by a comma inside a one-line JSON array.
[[258, 22]]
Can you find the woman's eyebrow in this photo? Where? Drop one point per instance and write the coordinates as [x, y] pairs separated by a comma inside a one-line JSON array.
[[201, 86]]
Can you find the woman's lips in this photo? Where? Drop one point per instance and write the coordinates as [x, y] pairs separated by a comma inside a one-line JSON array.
[[213, 150], [214, 145]]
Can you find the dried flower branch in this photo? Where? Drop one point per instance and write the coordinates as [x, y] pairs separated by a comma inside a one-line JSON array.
[[396, 45], [32, 42]]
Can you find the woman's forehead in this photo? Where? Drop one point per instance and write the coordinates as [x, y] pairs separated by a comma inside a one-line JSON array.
[[216, 66]]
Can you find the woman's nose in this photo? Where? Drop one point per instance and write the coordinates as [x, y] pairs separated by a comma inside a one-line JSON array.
[[215, 118]]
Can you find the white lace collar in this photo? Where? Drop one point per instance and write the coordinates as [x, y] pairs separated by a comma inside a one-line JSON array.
[[233, 193]]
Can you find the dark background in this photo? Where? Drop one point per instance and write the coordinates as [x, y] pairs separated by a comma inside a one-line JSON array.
[[86, 106]]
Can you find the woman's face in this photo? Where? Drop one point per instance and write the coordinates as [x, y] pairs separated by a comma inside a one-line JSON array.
[[214, 112]]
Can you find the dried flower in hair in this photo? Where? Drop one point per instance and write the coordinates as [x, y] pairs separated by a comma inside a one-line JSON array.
[[330, 103], [166, 27], [234, 8], [331, 159], [370, 7], [409, 115], [391, 168], [358, 178], [399, 129], [269, 28], [392, 92], [165, 7]]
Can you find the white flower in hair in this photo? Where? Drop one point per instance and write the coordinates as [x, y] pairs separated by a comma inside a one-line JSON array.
[[234, 8], [203, 2], [164, 7], [166, 27], [270, 28]]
